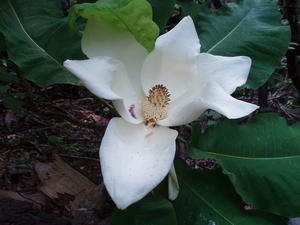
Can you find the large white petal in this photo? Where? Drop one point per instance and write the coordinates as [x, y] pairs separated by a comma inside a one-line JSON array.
[[97, 74], [135, 159], [185, 109], [228, 72], [173, 62], [216, 98], [208, 96], [104, 39], [107, 78]]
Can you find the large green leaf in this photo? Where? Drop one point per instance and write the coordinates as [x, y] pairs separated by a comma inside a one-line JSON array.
[[261, 158], [249, 27], [2, 42], [38, 39], [208, 198], [149, 211], [162, 11], [134, 16]]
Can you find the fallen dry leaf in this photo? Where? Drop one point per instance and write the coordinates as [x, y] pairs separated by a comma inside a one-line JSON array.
[[38, 199], [91, 116], [12, 195], [65, 185]]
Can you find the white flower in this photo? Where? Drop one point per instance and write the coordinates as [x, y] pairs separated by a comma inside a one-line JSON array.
[[170, 86]]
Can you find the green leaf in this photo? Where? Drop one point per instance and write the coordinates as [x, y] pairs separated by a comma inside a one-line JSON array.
[[134, 16], [85, 1], [13, 104], [149, 211], [208, 198], [162, 11], [191, 8], [2, 43], [249, 27], [38, 39], [261, 158]]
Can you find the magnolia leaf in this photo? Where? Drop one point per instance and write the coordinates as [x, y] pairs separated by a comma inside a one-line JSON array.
[[85, 1], [2, 42], [134, 16], [38, 39], [208, 198], [191, 8], [262, 160], [247, 27], [151, 210], [162, 11]]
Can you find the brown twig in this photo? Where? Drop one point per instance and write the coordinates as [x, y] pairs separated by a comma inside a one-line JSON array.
[[62, 114], [78, 157], [66, 116]]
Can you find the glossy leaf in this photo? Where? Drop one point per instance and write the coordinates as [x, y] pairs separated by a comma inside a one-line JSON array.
[[261, 158], [38, 39], [85, 1], [151, 210], [162, 11], [2, 42], [134, 16], [191, 8], [249, 27], [208, 198]]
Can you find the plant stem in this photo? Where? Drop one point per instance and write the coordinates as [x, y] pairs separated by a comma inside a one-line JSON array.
[[109, 106], [180, 139]]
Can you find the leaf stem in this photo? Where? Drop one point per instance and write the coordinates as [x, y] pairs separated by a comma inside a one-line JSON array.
[[109, 106], [180, 139]]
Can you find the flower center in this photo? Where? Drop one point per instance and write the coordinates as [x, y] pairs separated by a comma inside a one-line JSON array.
[[156, 104]]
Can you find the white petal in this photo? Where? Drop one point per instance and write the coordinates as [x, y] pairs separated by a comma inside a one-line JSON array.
[[228, 72], [107, 78], [173, 62], [181, 42], [209, 96], [97, 75], [134, 160], [185, 109], [103, 39], [216, 98], [173, 186]]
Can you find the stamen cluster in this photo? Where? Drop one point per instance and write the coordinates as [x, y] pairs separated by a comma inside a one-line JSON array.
[[155, 106]]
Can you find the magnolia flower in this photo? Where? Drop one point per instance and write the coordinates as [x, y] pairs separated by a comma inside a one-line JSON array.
[[170, 86]]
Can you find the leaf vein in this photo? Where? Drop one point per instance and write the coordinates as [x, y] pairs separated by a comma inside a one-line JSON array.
[[211, 206], [233, 30]]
